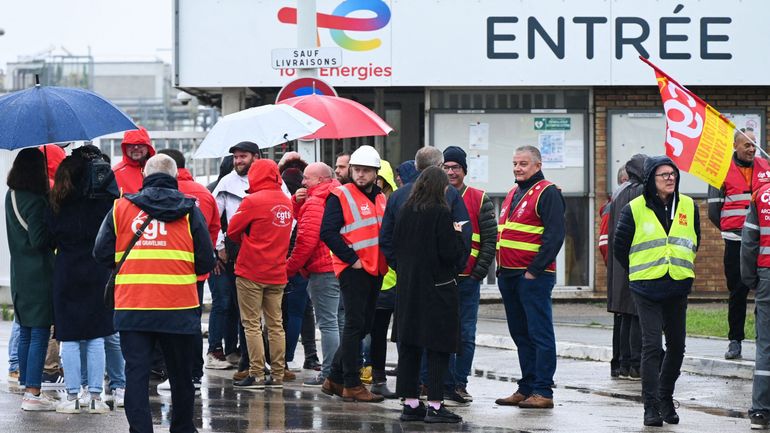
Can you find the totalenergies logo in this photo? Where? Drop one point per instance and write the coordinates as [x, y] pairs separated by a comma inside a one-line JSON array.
[[339, 23]]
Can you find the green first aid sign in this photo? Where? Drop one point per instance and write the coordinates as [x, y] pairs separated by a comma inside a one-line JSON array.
[[553, 123]]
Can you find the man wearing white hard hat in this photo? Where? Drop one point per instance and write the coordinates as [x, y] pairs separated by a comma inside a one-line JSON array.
[[350, 228]]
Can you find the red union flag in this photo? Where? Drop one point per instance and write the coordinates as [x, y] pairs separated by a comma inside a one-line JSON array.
[[699, 139]]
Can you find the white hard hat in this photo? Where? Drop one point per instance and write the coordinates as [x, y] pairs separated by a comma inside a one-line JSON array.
[[366, 156]]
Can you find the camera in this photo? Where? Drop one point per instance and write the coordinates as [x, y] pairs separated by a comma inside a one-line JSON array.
[[184, 98], [98, 178]]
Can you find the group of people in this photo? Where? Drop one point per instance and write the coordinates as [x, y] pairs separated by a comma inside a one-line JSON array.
[[120, 257], [649, 237]]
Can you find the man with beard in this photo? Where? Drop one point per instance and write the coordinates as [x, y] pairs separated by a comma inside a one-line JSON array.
[[350, 228], [229, 194], [342, 168], [137, 149]]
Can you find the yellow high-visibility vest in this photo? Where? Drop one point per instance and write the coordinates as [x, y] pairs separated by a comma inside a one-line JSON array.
[[653, 253]]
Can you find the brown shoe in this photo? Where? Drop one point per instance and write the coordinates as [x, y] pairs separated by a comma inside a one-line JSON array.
[[360, 393], [331, 388], [537, 401], [289, 376], [512, 400], [240, 375]]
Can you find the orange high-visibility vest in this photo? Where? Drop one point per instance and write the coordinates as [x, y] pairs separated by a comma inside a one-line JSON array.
[[520, 232], [361, 231], [159, 272], [738, 193], [473, 198], [763, 225]]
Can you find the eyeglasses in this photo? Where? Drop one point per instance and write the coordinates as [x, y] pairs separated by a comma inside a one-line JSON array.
[[454, 168], [667, 176]]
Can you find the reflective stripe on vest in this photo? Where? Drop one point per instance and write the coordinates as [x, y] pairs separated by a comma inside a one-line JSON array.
[[519, 231], [762, 203], [738, 193], [473, 198], [361, 229], [159, 272], [654, 253]]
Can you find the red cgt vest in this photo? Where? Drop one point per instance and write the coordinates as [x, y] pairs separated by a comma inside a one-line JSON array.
[[763, 217], [472, 198], [738, 193], [159, 273], [362, 229], [519, 232]]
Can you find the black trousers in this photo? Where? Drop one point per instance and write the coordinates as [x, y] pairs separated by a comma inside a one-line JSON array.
[[630, 341], [658, 380], [617, 322], [379, 348], [198, 347], [408, 377], [308, 332], [736, 313], [359, 291], [177, 349]]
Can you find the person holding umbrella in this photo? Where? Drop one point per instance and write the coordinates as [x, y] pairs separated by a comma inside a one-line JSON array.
[[31, 270], [137, 149]]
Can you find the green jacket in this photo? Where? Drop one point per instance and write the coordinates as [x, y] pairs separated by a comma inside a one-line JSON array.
[[31, 260]]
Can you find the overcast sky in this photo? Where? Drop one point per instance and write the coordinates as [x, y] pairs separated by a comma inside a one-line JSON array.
[[132, 30]]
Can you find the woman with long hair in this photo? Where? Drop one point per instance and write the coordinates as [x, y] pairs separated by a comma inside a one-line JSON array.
[[31, 271], [428, 245], [79, 203]]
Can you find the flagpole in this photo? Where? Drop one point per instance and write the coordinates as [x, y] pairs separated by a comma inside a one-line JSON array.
[[754, 143]]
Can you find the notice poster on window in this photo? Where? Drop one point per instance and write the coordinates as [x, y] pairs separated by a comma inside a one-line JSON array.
[[478, 168], [478, 136], [552, 149]]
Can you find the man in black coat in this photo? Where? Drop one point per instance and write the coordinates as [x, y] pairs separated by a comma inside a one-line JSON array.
[[619, 300]]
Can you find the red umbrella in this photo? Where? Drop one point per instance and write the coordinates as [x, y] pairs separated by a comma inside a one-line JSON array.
[[342, 117]]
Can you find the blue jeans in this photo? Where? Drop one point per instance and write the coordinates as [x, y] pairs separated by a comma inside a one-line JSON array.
[[296, 301], [460, 365], [530, 322], [70, 357], [324, 290], [114, 362], [223, 319], [13, 348], [33, 345]]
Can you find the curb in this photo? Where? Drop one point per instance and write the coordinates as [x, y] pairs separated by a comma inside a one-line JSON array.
[[704, 366]]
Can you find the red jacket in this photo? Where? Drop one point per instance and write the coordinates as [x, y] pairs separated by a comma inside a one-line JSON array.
[[205, 202], [604, 229], [128, 173], [54, 155], [262, 225], [310, 255]]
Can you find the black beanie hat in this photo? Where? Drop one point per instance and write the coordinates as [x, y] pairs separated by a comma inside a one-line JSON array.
[[456, 154]]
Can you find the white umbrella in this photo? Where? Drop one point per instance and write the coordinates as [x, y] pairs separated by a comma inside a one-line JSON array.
[[266, 125]]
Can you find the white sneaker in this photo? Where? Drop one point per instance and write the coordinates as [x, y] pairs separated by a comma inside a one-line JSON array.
[[40, 402], [119, 397], [84, 397], [216, 364], [68, 406], [164, 386], [98, 406]]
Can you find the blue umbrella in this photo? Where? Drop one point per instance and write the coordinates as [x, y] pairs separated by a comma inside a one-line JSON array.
[[43, 115]]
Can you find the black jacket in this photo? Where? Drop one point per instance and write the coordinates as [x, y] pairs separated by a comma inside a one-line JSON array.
[[161, 199], [619, 299], [551, 209], [398, 198], [664, 287]]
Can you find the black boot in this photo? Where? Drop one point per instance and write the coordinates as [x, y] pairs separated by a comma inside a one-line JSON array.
[[652, 414], [668, 410], [381, 388]]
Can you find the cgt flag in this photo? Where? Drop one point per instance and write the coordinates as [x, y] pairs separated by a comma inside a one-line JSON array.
[[699, 139]]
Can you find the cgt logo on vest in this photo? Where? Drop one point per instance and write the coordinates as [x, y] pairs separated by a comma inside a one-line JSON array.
[[281, 216], [153, 229], [365, 209], [683, 219]]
